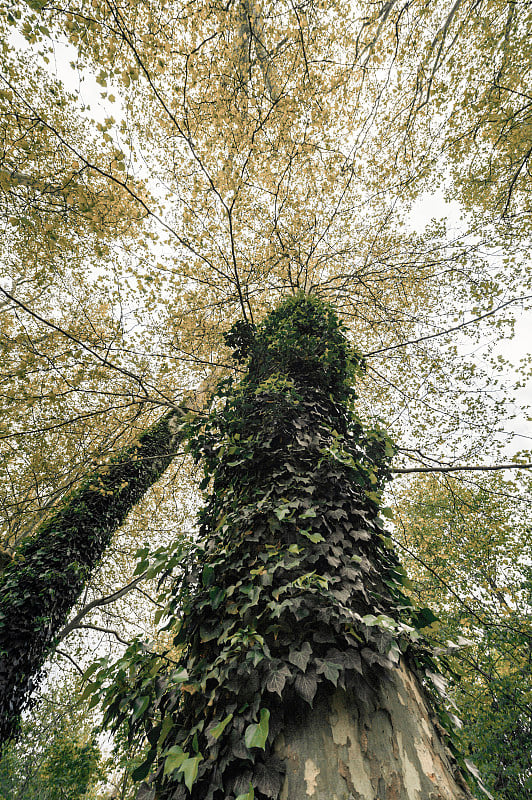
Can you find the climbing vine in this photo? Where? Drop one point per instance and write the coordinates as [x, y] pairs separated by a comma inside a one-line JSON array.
[[49, 570], [294, 590]]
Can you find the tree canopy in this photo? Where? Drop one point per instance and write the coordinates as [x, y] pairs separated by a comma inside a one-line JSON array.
[[198, 163]]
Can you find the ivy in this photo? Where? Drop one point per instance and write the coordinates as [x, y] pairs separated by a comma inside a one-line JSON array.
[[295, 590], [48, 572]]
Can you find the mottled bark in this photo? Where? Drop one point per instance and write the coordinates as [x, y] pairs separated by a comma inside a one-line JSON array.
[[369, 744]]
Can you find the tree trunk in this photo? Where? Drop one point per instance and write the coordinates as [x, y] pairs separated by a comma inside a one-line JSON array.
[[295, 629], [386, 747], [40, 586]]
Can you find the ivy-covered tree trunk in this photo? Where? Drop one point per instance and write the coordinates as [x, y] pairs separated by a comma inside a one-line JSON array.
[[301, 672], [40, 586]]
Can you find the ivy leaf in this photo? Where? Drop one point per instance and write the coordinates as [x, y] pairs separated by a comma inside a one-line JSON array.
[[282, 512], [257, 733], [305, 686], [166, 727], [438, 681], [207, 575], [142, 770], [179, 675], [424, 617], [394, 652], [330, 671], [216, 595], [217, 731], [174, 759], [277, 679], [300, 658], [189, 768], [352, 660], [314, 537]]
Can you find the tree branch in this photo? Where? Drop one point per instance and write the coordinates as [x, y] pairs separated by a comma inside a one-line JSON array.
[[105, 361], [461, 468], [449, 330], [69, 658], [90, 626], [100, 601]]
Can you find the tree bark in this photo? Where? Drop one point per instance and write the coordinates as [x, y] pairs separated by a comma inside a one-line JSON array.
[[381, 744]]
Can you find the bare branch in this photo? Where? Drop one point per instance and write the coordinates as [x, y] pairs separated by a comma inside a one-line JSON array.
[[110, 631], [104, 361], [461, 468], [449, 330], [69, 658], [97, 603]]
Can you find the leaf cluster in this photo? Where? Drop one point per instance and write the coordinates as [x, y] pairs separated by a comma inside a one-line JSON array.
[[468, 550]]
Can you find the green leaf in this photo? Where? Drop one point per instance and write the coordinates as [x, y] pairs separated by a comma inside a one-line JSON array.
[[179, 675], [174, 759], [305, 686], [300, 657], [277, 679], [282, 512], [424, 617], [89, 689], [257, 733], [93, 667], [189, 768], [330, 671], [141, 566], [216, 595], [141, 771], [219, 729], [314, 537], [207, 575], [166, 727], [140, 705]]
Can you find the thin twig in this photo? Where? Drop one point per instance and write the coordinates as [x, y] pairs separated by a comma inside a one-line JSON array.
[[461, 468]]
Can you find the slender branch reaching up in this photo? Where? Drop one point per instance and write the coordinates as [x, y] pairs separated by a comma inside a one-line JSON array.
[[69, 658], [449, 330]]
